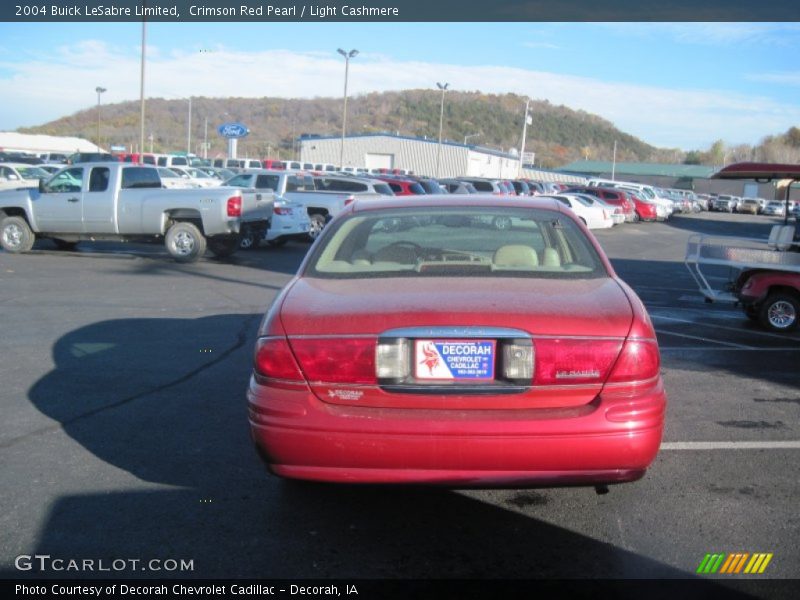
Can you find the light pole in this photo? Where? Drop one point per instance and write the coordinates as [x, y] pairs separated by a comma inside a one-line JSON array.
[[528, 120], [189, 129], [443, 87], [99, 91], [141, 86], [347, 57]]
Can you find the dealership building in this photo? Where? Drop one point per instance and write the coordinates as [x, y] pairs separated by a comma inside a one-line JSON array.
[[11, 141], [420, 155]]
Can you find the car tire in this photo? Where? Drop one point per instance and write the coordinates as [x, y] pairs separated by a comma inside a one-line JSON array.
[[636, 217], [779, 312], [223, 247], [249, 239], [317, 225], [185, 242], [502, 223], [16, 235]]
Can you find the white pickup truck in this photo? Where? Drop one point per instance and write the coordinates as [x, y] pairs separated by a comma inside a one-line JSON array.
[[297, 186], [113, 201]]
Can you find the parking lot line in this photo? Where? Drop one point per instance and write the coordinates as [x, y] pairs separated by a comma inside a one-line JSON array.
[[705, 348], [703, 339], [717, 326], [762, 445]]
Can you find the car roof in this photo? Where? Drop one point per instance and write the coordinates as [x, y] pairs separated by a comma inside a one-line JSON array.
[[17, 165], [449, 201]]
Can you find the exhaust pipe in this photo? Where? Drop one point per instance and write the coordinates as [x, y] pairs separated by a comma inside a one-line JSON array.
[[601, 490]]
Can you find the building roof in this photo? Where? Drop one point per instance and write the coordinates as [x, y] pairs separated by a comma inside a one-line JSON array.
[[597, 167], [397, 136], [12, 141]]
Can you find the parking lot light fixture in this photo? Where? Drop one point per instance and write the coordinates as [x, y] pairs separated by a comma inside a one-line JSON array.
[[443, 87], [99, 91], [347, 56]]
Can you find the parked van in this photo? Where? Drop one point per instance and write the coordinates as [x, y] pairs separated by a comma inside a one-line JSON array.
[[228, 163], [172, 160]]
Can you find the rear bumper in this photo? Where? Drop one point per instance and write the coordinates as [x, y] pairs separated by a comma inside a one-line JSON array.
[[612, 440]]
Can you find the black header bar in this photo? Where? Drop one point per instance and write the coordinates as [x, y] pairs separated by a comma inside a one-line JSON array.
[[399, 10]]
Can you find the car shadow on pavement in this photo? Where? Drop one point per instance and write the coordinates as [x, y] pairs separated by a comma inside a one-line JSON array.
[[163, 400], [153, 258]]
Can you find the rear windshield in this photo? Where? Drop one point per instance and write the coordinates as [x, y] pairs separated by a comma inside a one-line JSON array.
[[483, 186], [383, 189], [479, 242]]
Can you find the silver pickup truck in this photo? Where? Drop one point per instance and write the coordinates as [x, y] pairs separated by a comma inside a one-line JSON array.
[[115, 201], [298, 186]]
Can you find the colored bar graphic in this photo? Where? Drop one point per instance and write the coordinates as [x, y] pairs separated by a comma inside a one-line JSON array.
[[734, 564]]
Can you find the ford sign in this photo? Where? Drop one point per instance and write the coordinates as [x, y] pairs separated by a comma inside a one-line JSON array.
[[232, 130]]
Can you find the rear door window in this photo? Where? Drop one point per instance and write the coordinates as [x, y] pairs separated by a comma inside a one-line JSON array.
[[140, 177]]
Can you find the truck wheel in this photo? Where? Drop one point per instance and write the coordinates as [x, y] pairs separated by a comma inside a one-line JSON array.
[[16, 235], [249, 239], [185, 242], [779, 312], [222, 247], [317, 225]]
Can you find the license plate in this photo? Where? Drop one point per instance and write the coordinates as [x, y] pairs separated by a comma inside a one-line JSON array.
[[444, 360]]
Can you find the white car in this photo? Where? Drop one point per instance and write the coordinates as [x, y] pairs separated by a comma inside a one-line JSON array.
[[197, 177], [19, 175], [173, 180], [617, 216], [775, 208], [592, 215], [289, 220]]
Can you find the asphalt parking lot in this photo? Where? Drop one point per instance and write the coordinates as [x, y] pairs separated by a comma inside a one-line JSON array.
[[125, 436]]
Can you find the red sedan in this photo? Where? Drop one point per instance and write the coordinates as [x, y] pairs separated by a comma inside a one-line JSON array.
[[447, 351]]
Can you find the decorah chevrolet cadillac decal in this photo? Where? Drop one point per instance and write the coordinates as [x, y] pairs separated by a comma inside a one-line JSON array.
[[455, 359]]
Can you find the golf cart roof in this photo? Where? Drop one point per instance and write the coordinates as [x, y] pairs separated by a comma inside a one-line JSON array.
[[758, 171]]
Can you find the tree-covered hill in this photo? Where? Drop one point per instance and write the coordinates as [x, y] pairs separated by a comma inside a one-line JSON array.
[[558, 134]]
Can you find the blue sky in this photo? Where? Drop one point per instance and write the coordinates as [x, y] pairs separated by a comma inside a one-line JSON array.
[[681, 85]]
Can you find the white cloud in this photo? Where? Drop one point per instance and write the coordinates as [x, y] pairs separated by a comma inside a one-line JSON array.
[[46, 89], [713, 34], [786, 78]]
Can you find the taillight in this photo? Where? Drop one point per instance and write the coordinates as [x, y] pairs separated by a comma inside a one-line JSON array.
[[336, 360], [274, 359], [565, 361], [282, 210], [349, 200], [235, 206], [638, 361]]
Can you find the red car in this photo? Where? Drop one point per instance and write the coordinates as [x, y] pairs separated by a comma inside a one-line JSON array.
[[450, 352], [610, 196], [403, 187], [645, 211]]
